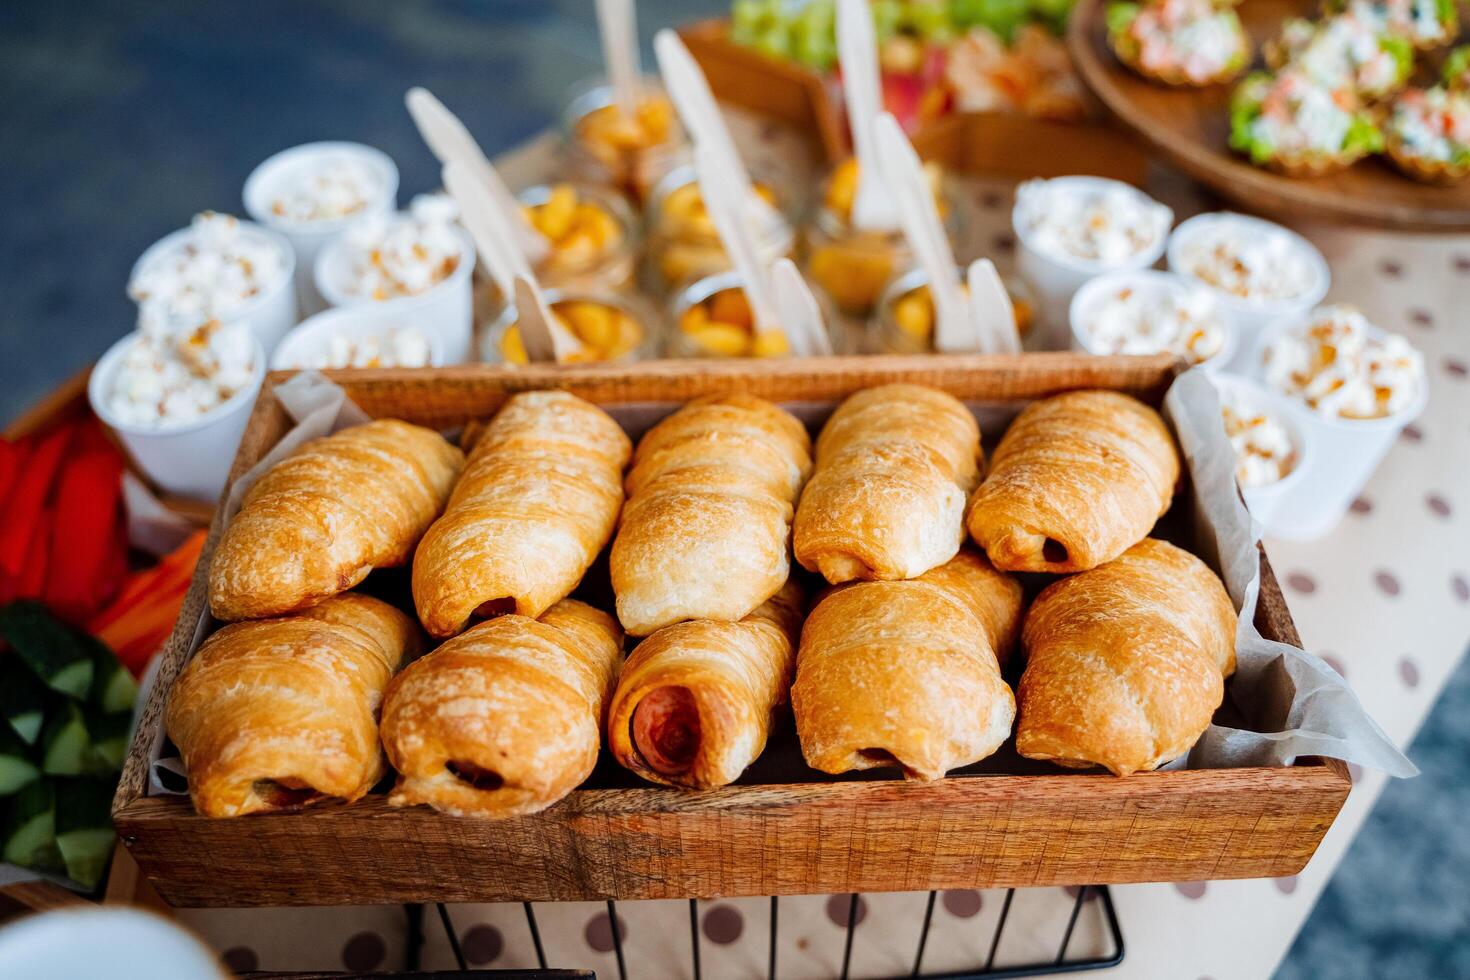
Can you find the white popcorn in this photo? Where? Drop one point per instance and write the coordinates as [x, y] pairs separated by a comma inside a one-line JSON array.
[[1264, 450], [172, 375], [1108, 226], [1150, 317], [1337, 367], [403, 347], [217, 271], [1248, 261], [404, 255], [337, 186]]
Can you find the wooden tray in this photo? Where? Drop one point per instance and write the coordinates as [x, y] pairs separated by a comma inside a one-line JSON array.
[[980, 143], [1190, 128], [784, 829]]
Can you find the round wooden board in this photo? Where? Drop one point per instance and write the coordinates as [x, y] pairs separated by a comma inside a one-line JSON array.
[[1190, 128]]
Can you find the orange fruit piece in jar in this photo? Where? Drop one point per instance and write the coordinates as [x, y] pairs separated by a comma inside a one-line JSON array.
[[730, 306]]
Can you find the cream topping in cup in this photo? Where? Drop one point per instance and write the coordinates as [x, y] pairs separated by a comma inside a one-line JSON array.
[[403, 255], [1264, 450], [1247, 260], [1338, 367], [1107, 225], [336, 186], [1151, 318], [171, 376], [403, 347], [218, 270]]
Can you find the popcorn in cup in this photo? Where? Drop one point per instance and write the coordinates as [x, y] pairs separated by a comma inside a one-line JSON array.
[[312, 193], [1151, 312], [220, 268], [1259, 272], [415, 265], [1354, 387], [178, 398], [1072, 229], [357, 337], [1272, 451]]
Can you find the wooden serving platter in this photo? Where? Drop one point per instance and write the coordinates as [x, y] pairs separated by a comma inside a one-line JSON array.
[[783, 829], [987, 144], [1190, 128]]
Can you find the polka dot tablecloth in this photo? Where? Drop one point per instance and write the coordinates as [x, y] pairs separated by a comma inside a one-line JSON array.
[[1385, 599]]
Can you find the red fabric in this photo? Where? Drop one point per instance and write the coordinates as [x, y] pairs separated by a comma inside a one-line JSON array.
[[25, 504], [88, 548]]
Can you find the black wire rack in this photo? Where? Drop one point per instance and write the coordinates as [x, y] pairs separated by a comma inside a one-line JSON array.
[[988, 971]]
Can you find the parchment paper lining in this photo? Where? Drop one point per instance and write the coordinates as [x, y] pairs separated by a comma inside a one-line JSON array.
[[1298, 704]]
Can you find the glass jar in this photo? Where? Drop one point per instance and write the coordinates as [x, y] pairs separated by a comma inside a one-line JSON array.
[[683, 244], [710, 317], [606, 149], [852, 265], [593, 234], [631, 333], [904, 320]]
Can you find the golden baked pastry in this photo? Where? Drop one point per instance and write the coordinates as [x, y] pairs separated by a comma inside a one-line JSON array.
[[706, 533], [1076, 481], [1126, 662], [321, 519], [907, 673], [695, 700], [506, 718], [283, 713], [538, 500], [895, 466]]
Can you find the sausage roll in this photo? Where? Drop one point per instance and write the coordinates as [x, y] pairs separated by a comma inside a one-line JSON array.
[[706, 533], [908, 673], [325, 516], [506, 718], [895, 466], [1126, 662], [695, 701], [283, 713], [1077, 480], [538, 500]]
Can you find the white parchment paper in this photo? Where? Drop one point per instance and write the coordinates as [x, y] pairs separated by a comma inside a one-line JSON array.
[[1294, 702]]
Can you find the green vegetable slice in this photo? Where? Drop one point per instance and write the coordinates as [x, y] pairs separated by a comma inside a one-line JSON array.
[[84, 833], [51, 649], [16, 768], [30, 833]]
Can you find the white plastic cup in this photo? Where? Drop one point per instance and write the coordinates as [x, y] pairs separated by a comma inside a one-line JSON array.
[[189, 459], [268, 315], [110, 941], [267, 181], [355, 322], [445, 310], [1250, 317], [1055, 279], [1095, 291], [1268, 503], [1344, 454]]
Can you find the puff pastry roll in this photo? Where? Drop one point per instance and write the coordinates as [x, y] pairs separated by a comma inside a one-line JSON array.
[[706, 532], [506, 718], [695, 700], [908, 673], [538, 500], [1077, 480], [1126, 662], [321, 519], [282, 713], [895, 466]]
